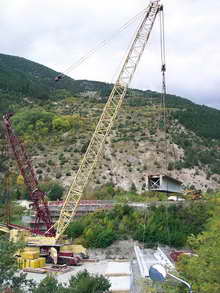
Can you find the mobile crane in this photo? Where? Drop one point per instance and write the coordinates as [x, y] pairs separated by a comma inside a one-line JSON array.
[[96, 145]]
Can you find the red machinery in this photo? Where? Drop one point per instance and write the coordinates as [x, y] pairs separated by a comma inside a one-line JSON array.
[[24, 164]]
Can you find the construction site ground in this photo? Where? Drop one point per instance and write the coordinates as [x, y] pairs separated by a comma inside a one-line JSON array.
[[104, 260], [121, 251], [94, 268]]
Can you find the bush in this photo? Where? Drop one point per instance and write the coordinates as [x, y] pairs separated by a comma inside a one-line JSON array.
[[99, 237], [56, 192], [82, 282], [58, 175], [75, 229]]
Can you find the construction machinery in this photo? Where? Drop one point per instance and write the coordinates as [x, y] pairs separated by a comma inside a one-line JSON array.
[[40, 205], [54, 233], [193, 194], [107, 118], [37, 196]]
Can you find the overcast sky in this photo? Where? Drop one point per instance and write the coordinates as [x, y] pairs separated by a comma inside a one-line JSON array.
[[57, 33]]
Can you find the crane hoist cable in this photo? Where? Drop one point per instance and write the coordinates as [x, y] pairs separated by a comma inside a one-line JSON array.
[[164, 87], [163, 100], [163, 97], [99, 45]]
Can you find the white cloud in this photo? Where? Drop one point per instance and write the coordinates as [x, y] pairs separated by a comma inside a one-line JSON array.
[[57, 33]]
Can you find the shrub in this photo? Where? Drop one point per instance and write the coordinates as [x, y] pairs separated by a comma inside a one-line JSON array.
[[75, 229], [55, 192]]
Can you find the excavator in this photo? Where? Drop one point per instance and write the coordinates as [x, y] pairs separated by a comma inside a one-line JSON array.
[[53, 238]]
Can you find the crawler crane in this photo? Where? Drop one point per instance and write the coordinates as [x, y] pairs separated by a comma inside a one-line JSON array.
[[107, 118], [96, 145]]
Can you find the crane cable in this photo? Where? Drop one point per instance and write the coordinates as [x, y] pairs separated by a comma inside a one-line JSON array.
[[163, 92], [163, 98], [100, 45]]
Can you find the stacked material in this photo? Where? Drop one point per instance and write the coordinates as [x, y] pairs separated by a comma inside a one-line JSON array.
[[119, 275], [77, 249], [30, 258]]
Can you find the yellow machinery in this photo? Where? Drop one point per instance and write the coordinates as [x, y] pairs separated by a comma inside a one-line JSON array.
[[193, 194]]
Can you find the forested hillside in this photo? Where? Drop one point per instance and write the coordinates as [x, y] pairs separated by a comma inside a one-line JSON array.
[[56, 120]]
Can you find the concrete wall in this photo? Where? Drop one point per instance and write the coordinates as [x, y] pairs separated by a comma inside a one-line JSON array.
[[119, 275], [120, 284]]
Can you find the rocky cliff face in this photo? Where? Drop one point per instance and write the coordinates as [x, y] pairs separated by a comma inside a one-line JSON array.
[[136, 148]]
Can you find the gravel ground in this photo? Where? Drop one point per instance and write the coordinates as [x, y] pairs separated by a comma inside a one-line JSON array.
[[123, 249]]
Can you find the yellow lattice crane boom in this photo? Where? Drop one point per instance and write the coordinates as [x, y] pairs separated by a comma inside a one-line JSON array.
[[107, 118]]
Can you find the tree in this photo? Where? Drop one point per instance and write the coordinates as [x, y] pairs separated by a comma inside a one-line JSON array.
[[83, 282], [9, 276], [203, 270], [133, 187], [56, 192], [60, 123], [106, 238], [49, 285], [75, 229]]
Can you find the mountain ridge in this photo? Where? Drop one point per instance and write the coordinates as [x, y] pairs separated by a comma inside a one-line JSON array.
[[136, 144]]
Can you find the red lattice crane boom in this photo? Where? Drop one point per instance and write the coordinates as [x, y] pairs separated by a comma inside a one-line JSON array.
[[37, 196]]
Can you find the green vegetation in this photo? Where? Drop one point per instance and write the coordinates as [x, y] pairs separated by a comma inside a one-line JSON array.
[[202, 120], [9, 277], [55, 192], [83, 282], [75, 229], [203, 270], [166, 225], [36, 123], [109, 192]]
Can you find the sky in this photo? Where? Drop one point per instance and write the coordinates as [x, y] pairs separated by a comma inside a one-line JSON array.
[[57, 33]]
